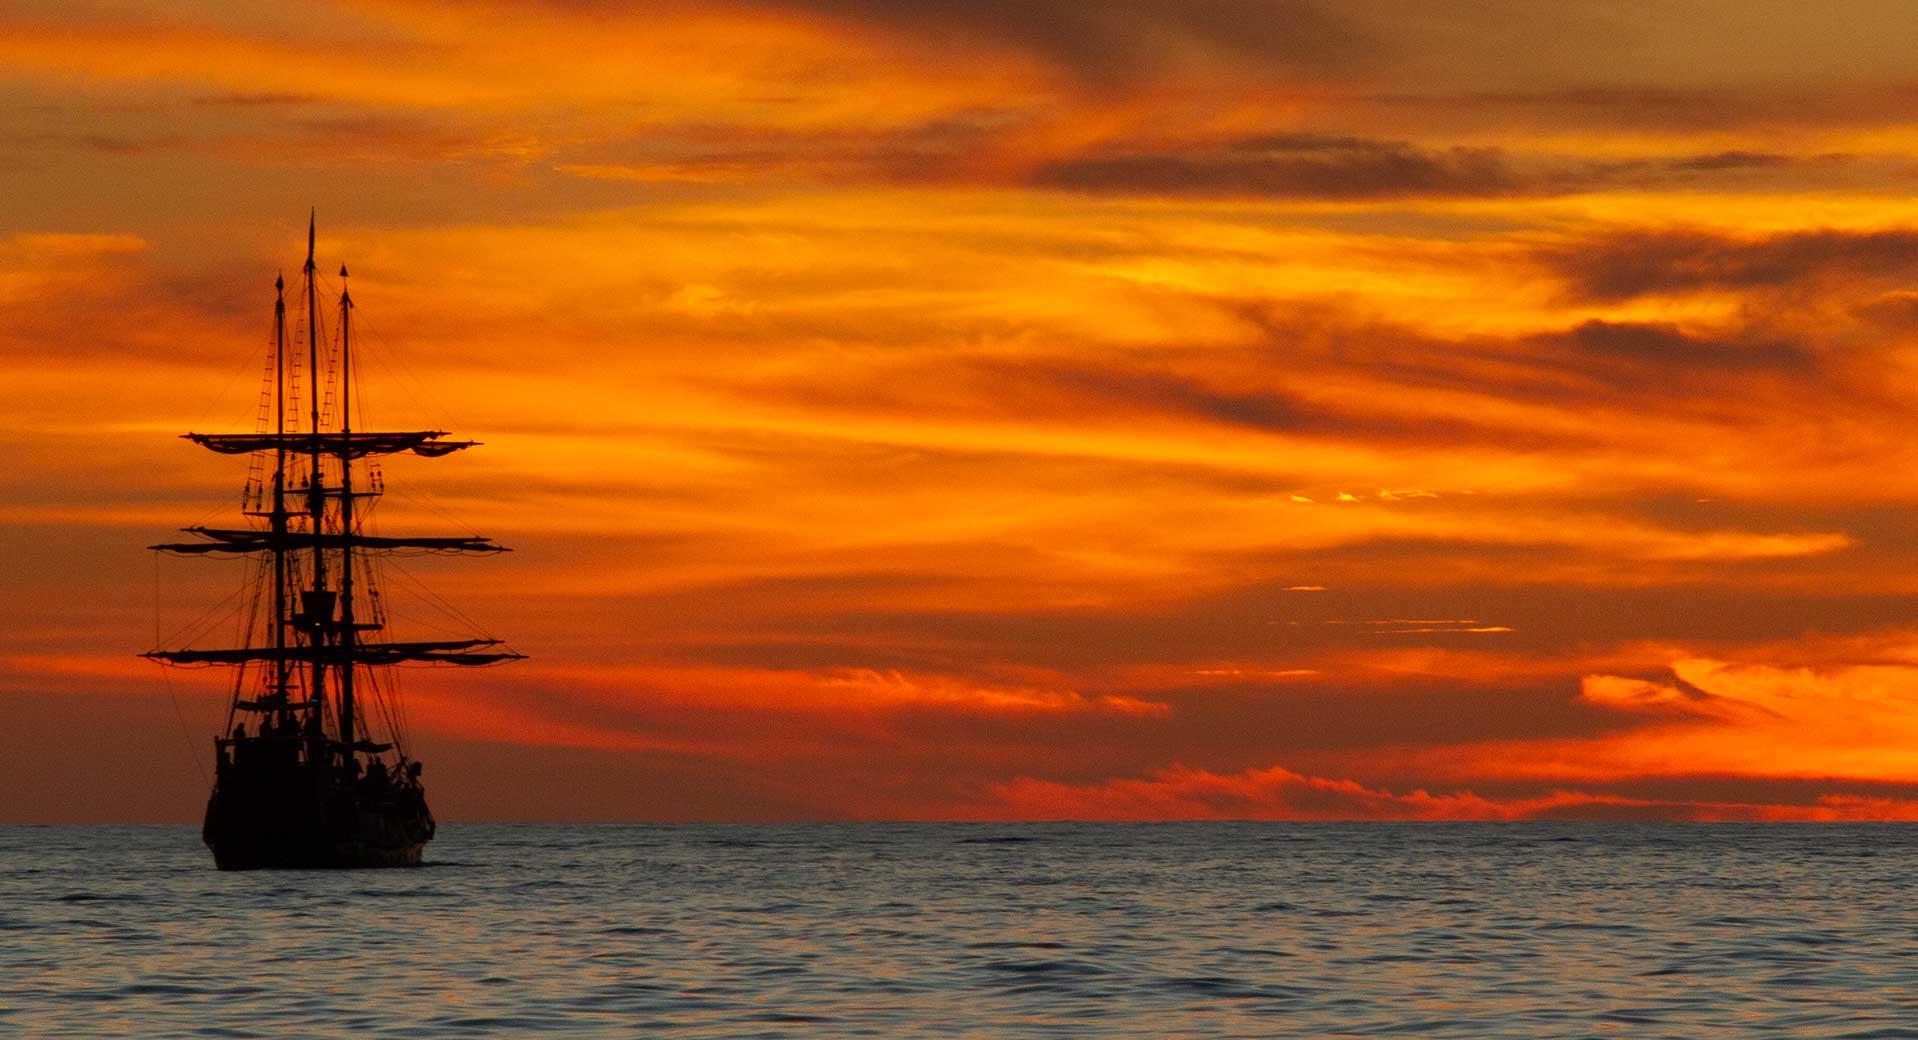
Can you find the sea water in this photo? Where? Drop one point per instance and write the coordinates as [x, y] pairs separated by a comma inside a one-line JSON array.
[[981, 930]]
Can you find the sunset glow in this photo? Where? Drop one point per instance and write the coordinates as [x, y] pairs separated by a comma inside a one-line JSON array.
[[1105, 410]]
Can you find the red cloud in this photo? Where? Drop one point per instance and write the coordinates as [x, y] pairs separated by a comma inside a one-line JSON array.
[[1180, 793]]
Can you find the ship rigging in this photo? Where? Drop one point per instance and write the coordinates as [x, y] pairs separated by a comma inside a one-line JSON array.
[[307, 776]]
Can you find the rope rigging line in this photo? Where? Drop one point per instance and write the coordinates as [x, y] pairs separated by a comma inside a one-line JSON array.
[[422, 592], [249, 618], [384, 699], [373, 344], [294, 366], [330, 358], [231, 380], [425, 501], [186, 732], [311, 383], [205, 621]]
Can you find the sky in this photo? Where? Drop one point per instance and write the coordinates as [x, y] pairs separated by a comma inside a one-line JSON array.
[[1100, 409]]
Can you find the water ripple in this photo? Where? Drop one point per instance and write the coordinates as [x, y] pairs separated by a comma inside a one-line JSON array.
[[977, 931]]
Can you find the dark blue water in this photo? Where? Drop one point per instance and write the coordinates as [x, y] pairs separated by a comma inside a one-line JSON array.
[[1177, 930]]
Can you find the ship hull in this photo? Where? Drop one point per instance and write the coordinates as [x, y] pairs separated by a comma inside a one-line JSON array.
[[304, 819]]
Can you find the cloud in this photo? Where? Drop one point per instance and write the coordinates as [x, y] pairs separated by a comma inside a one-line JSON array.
[[1291, 165], [1765, 110], [1733, 159], [256, 98], [824, 691], [1663, 347], [952, 148], [1004, 144], [54, 284], [1276, 793], [1707, 717], [1312, 166], [1628, 264], [1116, 43], [1619, 693]]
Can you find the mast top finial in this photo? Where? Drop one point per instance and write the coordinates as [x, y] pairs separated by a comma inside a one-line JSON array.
[[279, 284], [342, 270]]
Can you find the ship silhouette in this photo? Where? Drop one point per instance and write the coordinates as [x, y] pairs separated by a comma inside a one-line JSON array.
[[312, 771]]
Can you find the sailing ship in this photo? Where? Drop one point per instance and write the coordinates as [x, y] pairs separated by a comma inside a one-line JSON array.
[[311, 769]]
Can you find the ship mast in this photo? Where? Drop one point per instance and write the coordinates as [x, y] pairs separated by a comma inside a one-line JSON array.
[[278, 519], [315, 607], [347, 631], [308, 632]]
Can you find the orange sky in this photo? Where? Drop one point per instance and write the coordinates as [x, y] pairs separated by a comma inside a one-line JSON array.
[[902, 409]]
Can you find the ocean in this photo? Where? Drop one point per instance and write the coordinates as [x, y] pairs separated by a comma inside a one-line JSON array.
[[977, 930]]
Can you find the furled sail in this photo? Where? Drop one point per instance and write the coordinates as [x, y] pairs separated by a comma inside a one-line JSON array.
[[454, 651], [353, 445], [247, 540]]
